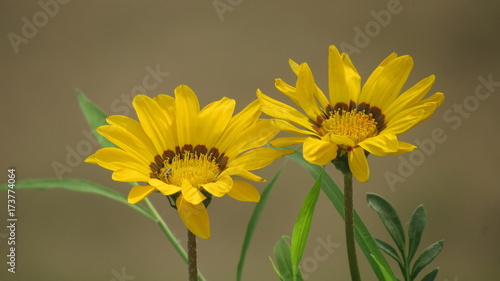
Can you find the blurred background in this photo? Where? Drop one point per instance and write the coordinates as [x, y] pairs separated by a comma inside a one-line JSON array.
[[113, 50]]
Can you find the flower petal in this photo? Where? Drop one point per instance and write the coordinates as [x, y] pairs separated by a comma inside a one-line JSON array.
[[239, 172], [195, 217], [337, 84], [213, 119], [129, 175], [287, 90], [319, 152], [381, 145], [307, 93], [404, 147], [113, 159], [281, 142], [164, 188], [244, 191], [358, 164], [289, 128], [139, 192], [127, 141], [220, 187], [404, 121], [186, 111], [135, 129], [283, 111], [191, 194], [154, 121], [255, 136], [258, 158]]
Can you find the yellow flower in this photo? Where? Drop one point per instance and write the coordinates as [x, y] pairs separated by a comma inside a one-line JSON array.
[[188, 154], [355, 120]]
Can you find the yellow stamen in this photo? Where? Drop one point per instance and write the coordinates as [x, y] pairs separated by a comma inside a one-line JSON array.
[[196, 168], [355, 125]]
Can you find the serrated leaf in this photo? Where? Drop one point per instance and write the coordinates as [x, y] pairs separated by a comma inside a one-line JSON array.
[[426, 257], [303, 224], [415, 229], [389, 218], [79, 186], [362, 235], [254, 219], [431, 275], [95, 117]]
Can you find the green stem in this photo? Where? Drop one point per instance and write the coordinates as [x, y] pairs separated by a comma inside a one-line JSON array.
[[192, 260], [349, 228], [170, 236]]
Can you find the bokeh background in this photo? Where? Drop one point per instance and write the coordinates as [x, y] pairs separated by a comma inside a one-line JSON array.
[[230, 48]]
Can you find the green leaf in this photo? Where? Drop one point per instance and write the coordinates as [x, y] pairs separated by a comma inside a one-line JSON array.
[[385, 273], [431, 275], [276, 269], [303, 224], [390, 218], [426, 257], [388, 249], [95, 117], [79, 186], [417, 224], [254, 219], [283, 259], [363, 237]]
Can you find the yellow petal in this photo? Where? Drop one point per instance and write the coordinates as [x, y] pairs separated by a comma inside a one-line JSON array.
[[195, 217], [385, 83], [129, 175], [283, 111], [294, 66], [404, 121], [404, 147], [258, 158], [289, 128], [319, 152], [135, 129], [164, 188], [191, 194], [220, 187], [127, 141], [239, 172], [307, 91], [352, 77], [337, 84], [139, 192], [358, 164], [340, 140], [113, 159], [255, 136], [91, 159], [186, 110], [287, 90], [281, 142], [153, 120], [410, 97], [381, 145], [241, 121], [213, 119], [244, 191]]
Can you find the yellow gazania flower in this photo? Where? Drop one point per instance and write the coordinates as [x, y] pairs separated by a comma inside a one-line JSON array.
[[188, 154], [355, 120]]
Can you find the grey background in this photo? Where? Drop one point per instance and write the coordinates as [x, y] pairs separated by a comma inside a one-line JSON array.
[[104, 49]]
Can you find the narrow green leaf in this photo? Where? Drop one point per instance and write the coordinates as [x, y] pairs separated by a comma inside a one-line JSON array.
[[303, 224], [79, 186], [388, 249], [390, 218], [254, 219], [385, 273], [426, 257], [276, 269], [283, 259], [95, 117], [417, 224], [362, 235], [431, 275]]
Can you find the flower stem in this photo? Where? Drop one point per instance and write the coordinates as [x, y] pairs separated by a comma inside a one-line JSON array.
[[192, 260], [349, 228], [173, 240]]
